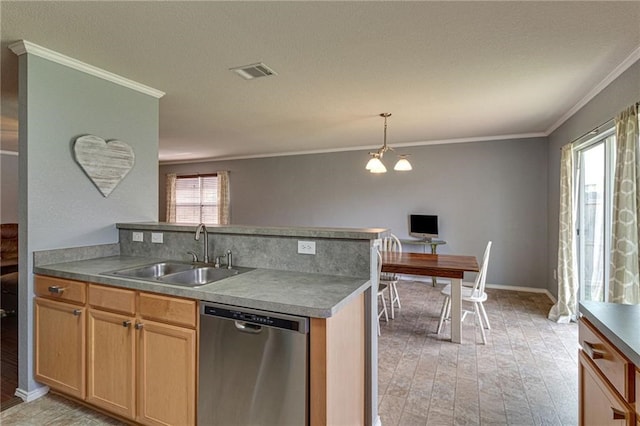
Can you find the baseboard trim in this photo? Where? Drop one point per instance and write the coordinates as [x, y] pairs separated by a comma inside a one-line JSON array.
[[524, 289], [493, 286], [33, 395]]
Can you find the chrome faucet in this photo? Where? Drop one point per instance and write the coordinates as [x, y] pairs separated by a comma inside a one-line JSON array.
[[202, 228]]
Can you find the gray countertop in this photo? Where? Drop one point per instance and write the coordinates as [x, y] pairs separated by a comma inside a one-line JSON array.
[[280, 231], [296, 293], [618, 323]]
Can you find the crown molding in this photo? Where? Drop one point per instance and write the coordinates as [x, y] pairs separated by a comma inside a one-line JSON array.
[[356, 148], [617, 72], [21, 47]]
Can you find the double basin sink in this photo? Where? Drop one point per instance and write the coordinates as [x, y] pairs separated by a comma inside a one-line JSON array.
[[178, 273]]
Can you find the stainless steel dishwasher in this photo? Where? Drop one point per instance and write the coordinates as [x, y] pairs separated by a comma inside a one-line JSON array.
[[253, 367]]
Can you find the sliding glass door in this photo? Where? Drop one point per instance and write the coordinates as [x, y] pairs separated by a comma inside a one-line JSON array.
[[594, 178]]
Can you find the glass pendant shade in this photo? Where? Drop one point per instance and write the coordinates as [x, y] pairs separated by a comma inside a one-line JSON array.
[[375, 166], [403, 165], [371, 163]]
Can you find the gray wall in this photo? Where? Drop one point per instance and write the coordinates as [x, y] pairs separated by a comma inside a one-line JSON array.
[[621, 93], [481, 191], [59, 206], [8, 188]]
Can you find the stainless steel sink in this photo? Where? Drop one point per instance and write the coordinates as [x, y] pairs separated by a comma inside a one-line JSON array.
[[155, 270], [178, 273], [198, 276]]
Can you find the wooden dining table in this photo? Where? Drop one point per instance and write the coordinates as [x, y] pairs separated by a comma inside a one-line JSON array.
[[435, 265]]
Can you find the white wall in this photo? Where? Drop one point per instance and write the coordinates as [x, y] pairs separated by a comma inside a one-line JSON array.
[[8, 188], [480, 191], [59, 206]]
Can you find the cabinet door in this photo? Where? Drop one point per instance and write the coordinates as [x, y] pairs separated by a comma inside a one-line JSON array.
[[60, 346], [600, 404], [166, 374], [111, 362]]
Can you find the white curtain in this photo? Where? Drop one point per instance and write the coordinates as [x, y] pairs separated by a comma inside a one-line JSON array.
[[624, 283], [223, 198], [170, 191], [566, 307]]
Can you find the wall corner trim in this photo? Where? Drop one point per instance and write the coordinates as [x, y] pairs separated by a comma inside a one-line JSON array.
[[21, 47]]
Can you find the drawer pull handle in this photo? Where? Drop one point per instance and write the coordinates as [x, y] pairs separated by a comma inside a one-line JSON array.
[[139, 326], [592, 351], [126, 323], [77, 312], [54, 289], [618, 414]]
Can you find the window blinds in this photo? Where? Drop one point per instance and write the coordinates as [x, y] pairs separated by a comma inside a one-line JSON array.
[[197, 199]]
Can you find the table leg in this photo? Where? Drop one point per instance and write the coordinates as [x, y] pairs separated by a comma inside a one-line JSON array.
[[434, 280], [456, 310]]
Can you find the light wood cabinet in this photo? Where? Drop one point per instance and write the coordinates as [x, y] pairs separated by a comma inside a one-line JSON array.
[[167, 374], [60, 330], [111, 372], [337, 367], [142, 369], [606, 381], [600, 404], [130, 353]]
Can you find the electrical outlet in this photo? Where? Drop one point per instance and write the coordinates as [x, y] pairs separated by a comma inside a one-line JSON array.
[[306, 247], [156, 237], [137, 236], [555, 274]]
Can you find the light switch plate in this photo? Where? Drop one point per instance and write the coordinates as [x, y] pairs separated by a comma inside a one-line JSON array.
[[156, 237], [306, 247], [137, 236]]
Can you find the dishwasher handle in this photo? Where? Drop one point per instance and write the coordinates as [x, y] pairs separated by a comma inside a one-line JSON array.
[[246, 327]]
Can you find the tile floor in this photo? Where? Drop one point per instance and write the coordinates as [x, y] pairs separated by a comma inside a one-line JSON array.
[[525, 375]]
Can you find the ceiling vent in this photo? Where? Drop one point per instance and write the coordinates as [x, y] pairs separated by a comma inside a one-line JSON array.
[[249, 72]]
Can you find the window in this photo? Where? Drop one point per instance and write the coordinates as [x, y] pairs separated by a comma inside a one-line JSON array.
[[196, 199], [594, 178]]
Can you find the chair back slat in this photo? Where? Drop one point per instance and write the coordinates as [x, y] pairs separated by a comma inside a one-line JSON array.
[[481, 278], [391, 243], [377, 285]]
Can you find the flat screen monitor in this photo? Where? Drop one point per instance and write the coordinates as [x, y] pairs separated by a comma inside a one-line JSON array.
[[423, 226]]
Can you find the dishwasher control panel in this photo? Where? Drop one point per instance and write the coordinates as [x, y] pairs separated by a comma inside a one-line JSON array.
[[263, 318]]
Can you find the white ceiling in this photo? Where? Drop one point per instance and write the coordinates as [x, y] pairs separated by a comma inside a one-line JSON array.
[[445, 70]]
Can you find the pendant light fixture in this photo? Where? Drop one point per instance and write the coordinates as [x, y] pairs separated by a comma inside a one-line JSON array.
[[375, 164]]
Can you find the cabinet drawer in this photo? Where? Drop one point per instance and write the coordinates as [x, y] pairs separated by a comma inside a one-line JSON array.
[[112, 299], [168, 309], [600, 405], [613, 365], [60, 289]]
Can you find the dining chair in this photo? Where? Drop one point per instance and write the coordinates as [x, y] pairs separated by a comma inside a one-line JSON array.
[[381, 288], [391, 243], [473, 293]]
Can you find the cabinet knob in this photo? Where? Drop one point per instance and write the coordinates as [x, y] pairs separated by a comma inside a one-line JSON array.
[[126, 323], [54, 289], [77, 312], [139, 326], [618, 414]]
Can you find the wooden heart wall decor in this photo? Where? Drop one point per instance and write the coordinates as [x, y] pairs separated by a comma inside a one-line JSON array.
[[105, 163]]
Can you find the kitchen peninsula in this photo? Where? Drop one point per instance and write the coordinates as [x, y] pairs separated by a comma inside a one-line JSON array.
[[331, 288]]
